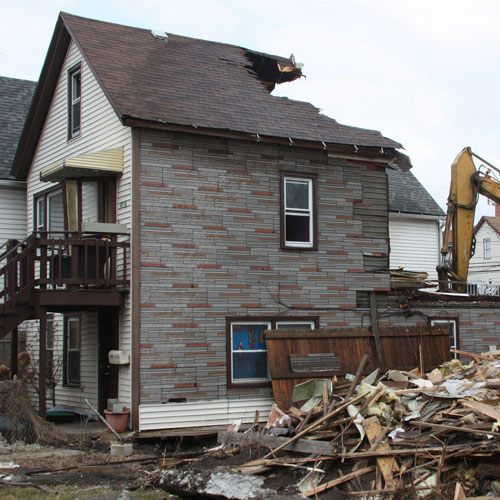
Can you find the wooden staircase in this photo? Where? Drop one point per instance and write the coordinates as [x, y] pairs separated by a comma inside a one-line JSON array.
[[60, 272]]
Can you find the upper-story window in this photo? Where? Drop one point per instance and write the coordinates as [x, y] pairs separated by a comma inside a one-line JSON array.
[[298, 212], [487, 248], [74, 101]]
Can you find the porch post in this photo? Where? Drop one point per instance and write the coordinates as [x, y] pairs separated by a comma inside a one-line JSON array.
[[13, 351], [42, 368]]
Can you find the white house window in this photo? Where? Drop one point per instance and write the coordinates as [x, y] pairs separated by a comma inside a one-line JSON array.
[[487, 248], [72, 351], [298, 224], [249, 353], [452, 324], [75, 101]]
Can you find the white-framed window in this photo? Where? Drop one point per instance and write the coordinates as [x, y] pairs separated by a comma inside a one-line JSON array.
[[298, 224], [72, 351], [452, 324], [248, 352], [49, 209], [487, 248], [75, 101]]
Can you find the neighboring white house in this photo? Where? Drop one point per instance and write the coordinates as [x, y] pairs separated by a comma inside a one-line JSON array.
[[15, 99], [484, 266], [414, 224]]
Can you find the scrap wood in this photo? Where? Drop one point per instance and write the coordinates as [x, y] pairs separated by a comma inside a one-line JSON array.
[[316, 424], [301, 445], [466, 429], [387, 465], [459, 492], [7, 484], [474, 356], [483, 408], [339, 480], [357, 376]]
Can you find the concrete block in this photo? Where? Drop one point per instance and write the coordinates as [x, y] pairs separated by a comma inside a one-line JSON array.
[[122, 449]]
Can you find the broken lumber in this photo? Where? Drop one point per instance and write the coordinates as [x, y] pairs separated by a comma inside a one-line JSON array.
[[316, 424], [387, 465], [339, 480]]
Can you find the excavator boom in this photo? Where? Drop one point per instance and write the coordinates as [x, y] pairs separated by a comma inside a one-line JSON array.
[[465, 186]]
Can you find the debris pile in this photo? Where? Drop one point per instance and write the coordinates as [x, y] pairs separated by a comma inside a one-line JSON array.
[[397, 435], [18, 419]]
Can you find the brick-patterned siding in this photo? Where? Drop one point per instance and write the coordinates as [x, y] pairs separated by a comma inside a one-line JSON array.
[[478, 323], [210, 248]]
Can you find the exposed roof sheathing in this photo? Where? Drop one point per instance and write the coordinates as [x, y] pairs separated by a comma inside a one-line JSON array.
[[15, 100]]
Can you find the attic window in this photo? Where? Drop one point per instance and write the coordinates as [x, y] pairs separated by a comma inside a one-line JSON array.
[[272, 70], [74, 101]]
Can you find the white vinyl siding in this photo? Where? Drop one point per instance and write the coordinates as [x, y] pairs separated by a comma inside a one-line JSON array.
[[68, 396], [485, 270], [100, 130], [202, 413], [415, 244], [13, 210]]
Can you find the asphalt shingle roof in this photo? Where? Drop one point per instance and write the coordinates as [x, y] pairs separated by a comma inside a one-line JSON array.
[[407, 195], [15, 99], [187, 81], [494, 222]]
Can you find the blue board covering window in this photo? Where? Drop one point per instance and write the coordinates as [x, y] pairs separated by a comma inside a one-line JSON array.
[[249, 354]]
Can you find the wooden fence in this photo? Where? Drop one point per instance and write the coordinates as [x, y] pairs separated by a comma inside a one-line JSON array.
[[297, 356]]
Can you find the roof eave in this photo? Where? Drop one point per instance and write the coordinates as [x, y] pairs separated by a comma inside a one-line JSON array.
[[42, 99], [360, 152]]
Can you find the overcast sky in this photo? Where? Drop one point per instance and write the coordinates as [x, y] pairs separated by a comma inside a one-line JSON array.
[[424, 73]]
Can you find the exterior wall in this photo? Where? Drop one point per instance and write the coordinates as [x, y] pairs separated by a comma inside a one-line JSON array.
[[483, 270], [71, 397], [13, 210], [478, 323], [210, 249], [100, 130], [415, 243]]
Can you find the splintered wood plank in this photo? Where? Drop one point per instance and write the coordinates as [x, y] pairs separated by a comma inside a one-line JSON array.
[[387, 465], [339, 480], [483, 408]]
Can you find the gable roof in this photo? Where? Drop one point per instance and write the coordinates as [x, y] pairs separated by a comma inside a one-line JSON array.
[[187, 84], [15, 100], [407, 195], [493, 222]]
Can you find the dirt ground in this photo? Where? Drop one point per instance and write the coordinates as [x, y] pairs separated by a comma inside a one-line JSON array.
[[82, 467]]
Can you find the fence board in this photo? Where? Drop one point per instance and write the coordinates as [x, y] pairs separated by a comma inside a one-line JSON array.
[[400, 348]]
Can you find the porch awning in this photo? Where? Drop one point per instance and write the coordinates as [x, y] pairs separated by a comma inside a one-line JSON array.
[[92, 165]]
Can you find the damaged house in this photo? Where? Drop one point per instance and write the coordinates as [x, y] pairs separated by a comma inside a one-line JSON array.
[[176, 211]]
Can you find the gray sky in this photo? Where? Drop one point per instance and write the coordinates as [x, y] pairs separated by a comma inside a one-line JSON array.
[[422, 72]]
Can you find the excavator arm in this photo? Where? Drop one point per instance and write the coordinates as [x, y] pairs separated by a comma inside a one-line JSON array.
[[466, 184]]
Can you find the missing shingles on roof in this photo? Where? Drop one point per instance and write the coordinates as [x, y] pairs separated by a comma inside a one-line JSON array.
[[270, 70]]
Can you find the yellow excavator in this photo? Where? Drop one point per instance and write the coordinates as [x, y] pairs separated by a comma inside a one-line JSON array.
[[467, 183]]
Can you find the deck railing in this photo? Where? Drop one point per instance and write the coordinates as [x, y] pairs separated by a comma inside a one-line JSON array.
[[62, 260]]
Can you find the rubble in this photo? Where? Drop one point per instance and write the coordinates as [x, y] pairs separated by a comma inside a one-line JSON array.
[[428, 434]]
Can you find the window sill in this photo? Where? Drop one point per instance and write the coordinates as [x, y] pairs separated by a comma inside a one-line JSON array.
[[248, 385]]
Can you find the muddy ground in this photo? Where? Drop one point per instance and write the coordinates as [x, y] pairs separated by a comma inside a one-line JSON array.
[[85, 463]]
